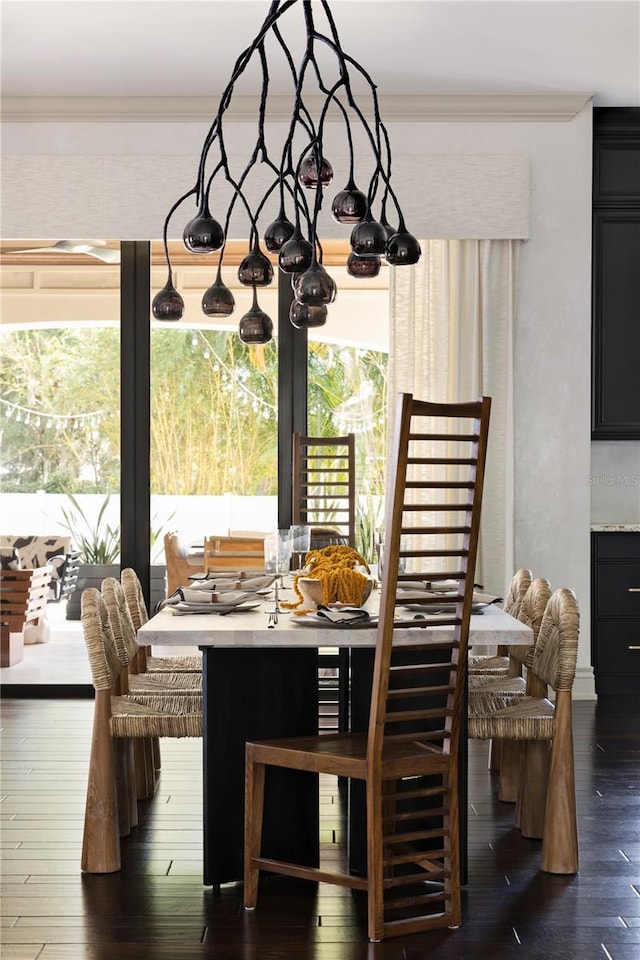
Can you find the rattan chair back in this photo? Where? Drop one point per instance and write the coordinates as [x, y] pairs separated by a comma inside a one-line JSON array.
[[520, 583], [556, 651], [134, 597]]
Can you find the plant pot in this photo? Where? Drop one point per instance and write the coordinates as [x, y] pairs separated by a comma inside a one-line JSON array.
[[92, 575], [89, 575]]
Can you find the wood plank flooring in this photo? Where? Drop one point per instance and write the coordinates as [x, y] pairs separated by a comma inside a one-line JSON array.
[[156, 908]]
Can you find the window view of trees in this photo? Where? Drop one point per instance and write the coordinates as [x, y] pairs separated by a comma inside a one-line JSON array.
[[213, 418]]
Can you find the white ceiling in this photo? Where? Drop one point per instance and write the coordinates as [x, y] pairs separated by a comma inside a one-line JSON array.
[[185, 48]]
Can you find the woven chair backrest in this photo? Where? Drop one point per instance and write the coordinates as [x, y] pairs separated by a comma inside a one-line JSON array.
[[134, 596], [122, 629], [431, 530], [534, 603], [103, 657], [556, 652], [520, 583]]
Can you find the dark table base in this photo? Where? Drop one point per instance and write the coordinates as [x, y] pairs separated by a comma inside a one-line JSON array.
[[257, 694]]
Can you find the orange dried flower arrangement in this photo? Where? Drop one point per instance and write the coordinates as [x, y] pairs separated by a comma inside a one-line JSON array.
[[335, 568]]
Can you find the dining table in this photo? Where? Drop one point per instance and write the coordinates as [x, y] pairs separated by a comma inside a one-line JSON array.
[[260, 681]]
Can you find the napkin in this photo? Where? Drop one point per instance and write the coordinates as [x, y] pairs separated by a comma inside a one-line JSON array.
[[218, 585], [184, 597], [344, 615]]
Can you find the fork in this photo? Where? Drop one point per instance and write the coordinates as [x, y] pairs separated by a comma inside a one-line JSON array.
[[273, 619]]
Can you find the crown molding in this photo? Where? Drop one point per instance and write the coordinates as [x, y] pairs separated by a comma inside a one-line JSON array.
[[481, 107]]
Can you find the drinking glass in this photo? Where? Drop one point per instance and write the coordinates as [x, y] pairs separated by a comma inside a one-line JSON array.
[[284, 552], [300, 543], [271, 554], [402, 563]]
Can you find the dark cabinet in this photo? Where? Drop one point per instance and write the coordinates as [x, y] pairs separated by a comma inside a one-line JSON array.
[[616, 274], [615, 612]]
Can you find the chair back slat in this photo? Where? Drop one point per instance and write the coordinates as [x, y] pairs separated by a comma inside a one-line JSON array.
[[324, 485], [418, 690]]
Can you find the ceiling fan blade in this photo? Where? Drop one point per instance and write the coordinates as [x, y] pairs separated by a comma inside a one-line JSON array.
[[94, 248]]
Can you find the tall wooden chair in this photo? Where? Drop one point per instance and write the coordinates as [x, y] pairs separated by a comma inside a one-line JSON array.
[[408, 760], [324, 497], [324, 487], [546, 796]]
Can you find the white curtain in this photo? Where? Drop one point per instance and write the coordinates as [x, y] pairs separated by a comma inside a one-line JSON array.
[[452, 332]]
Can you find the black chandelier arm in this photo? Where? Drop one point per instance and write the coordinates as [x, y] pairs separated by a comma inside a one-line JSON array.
[[165, 229], [388, 190], [275, 12]]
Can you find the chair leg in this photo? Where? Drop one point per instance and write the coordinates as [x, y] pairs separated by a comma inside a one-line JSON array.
[[495, 752], [101, 839], [254, 807], [510, 762], [375, 864], [533, 789], [560, 842], [123, 786], [143, 788], [157, 762]]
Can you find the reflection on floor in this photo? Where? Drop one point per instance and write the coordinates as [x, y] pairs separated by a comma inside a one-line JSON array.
[[62, 662]]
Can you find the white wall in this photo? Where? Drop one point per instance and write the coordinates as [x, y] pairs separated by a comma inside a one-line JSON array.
[[118, 180]]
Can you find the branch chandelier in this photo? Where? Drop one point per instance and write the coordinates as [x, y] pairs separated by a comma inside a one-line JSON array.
[[300, 178]]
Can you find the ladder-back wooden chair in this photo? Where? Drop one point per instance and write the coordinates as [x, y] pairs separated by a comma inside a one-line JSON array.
[[417, 701], [324, 497], [324, 487]]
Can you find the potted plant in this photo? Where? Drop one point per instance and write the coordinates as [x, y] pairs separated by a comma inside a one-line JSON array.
[[99, 547]]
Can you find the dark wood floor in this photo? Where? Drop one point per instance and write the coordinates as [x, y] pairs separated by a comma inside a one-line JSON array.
[[156, 907]]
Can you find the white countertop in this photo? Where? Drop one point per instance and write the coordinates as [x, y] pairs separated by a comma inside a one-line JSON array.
[[615, 527], [249, 629]]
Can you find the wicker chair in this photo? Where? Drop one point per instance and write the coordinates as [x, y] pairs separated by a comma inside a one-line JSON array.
[[488, 692], [179, 566], [139, 615], [546, 804], [498, 665], [408, 761], [118, 721], [157, 689]]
